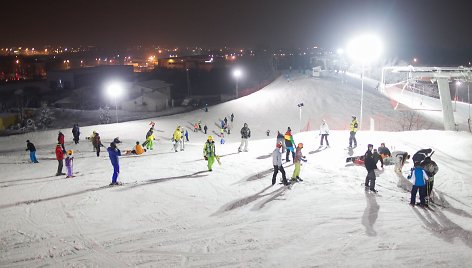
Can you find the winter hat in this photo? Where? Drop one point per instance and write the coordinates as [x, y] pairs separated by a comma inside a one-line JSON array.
[[70, 152], [27, 140], [370, 146], [289, 129], [353, 116], [279, 144], [113, 145]]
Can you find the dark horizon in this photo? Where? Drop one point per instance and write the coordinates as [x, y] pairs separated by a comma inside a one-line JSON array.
[[427, 30]]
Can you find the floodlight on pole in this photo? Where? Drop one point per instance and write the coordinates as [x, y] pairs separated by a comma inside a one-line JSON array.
[[364, 49], [458, 84], [237, 73], [300, 105], [115, 90]]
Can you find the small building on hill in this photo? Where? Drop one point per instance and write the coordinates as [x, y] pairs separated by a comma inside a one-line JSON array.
[[147, 96]]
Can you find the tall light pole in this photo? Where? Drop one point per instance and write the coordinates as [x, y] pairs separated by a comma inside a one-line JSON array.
[[115, 90], [364, 49], [237, 73], [458, 84], [188, 83], [300, 105]]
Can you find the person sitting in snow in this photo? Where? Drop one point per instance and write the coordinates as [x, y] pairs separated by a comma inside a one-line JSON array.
[[384, 151], [296, 160], [137, 149], [277, 163], [70, 164]]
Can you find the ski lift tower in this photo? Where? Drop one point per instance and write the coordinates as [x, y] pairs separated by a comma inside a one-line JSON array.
[[441, 75]]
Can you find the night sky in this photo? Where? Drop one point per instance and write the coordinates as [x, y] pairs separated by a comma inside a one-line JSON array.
[[419, 28]]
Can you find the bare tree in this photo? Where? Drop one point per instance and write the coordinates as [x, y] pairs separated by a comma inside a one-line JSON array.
[[412, 120]]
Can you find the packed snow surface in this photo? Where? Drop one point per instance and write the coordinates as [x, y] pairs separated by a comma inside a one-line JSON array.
[[172, 212]]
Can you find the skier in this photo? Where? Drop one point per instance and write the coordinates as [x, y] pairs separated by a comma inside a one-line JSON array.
[[186, 135], [352, 132], [226, 121], [199, 125], [370, 165], [209, 152], [277, 163], [418, 178], [60, 158], [232, 117], [384, 151], [296, 160], [30, 147], [114, 153], [324, 132], [245, 135], [431, 169], [149, 143], [205, 128], [69, 164], [97, 143], [92, 138], [289, 144], [60, 139], [177, 139], [222, 136], [228, 129], [76, 133]]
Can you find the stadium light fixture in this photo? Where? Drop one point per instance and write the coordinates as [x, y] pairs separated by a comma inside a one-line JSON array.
[[114, 90], [237, 73]]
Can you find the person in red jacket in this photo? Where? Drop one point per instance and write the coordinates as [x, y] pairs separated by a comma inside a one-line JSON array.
[[60, 140], [60, 158]]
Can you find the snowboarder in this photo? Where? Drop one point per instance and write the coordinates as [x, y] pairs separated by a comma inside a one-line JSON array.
[[114, 153], [60, 158], [352, 132], [30, 147], [97, 143], [205, 128], [232, 117], [384, 151], [370, 165], [418, 178], [76, 133], [69, 164], [245, 135], [277, 163], [324, 132], [177, 139], [209, 152], [289, 144], [60, 139], [296, 160]]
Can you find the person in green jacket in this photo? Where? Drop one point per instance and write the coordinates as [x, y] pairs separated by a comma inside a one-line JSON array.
[[209, 152]]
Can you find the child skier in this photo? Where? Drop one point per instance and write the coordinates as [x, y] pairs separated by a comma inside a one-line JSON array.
[[209, 152], [298, 157], [114, 153], [30, 147], [418, 178], [69, 164], [277, 163]]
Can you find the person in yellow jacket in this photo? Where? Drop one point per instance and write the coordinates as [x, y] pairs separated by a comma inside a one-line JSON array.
[[297, 161], [352, 132], [150, 140], [209, 152], [177, 139]]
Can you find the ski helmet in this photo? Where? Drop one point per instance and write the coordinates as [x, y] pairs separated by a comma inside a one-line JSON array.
[[279, 144], [210, 138], [70, 152]]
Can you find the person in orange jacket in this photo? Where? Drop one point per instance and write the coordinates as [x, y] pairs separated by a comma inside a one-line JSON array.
[[60, 159]]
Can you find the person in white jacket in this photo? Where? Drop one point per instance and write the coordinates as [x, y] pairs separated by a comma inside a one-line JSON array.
[[324, 132], [277, 163]]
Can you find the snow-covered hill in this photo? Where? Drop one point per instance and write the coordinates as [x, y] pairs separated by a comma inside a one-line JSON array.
[[172, 212]]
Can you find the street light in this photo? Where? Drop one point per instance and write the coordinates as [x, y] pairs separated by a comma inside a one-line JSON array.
[[364, 49], [115, 89], [188, 83], [237, 73], [300, 105]]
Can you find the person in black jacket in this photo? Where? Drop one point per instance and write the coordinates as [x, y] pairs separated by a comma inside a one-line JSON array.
[[371, 166], [76, 133], [30, 147]]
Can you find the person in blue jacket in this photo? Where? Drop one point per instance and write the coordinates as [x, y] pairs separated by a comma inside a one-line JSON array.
[[114, 153], [418, 178]]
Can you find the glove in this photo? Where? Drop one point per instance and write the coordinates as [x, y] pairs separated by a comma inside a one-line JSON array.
[[206, 158], [409, 177]]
